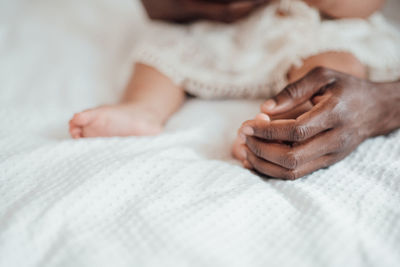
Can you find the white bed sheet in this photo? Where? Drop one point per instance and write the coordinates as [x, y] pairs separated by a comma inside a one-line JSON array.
[[178, 199]]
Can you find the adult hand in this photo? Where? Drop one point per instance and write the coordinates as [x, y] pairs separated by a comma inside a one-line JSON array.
[[190, 10], [345, 112]]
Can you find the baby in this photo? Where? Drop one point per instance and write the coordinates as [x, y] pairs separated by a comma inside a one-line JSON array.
[[255, 57]]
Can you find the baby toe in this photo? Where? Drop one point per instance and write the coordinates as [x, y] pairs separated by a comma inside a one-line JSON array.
[[83, 118], [76, 132]]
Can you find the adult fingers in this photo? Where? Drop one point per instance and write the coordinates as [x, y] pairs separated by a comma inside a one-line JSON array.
[[293, 113], [319, 119], [300, 91], [276, 171], [291, 157]]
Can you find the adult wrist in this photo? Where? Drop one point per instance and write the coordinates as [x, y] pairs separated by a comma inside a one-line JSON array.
[[388, 98]]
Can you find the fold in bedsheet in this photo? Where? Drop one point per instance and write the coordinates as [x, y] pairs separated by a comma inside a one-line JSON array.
[[178, 199]]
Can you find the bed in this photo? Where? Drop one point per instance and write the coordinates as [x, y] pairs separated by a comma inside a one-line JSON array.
[[178, 199]]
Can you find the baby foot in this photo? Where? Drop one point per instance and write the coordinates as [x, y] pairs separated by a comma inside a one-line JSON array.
[[239, 146], [115, 120]]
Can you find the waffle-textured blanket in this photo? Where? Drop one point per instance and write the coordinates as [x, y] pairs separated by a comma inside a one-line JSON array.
[[178, 199]]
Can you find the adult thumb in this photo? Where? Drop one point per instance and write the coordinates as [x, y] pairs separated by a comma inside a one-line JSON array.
[[300, 91]]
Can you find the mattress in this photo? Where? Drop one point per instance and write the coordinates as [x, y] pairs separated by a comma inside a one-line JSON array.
[[177, 199]]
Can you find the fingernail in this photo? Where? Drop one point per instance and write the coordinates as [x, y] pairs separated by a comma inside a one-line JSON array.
[[269, 104], [263, 117], [243, 153], [242, 138], [247, 165], [247, 130]]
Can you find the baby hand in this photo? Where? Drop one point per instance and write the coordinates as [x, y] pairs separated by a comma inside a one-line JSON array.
[[239, 146]]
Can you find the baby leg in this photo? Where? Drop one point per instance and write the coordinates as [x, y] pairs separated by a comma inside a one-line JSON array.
[[149, 100], [339, 61]]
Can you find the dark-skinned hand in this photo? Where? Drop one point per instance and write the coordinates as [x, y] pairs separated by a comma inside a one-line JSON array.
[[190, 10], [345, 112]]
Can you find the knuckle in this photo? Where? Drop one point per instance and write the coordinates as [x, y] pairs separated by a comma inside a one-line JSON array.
[[342, 142], [318, 70], [326, 163], [256, 149], [339, 111], [268, 133], [322, 71], [291, 175], [291, 161], [293, 90], [335, 101], [334, 113], [299, 133]]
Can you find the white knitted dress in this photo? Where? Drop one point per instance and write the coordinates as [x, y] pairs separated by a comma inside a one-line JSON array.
[[252, 57]]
